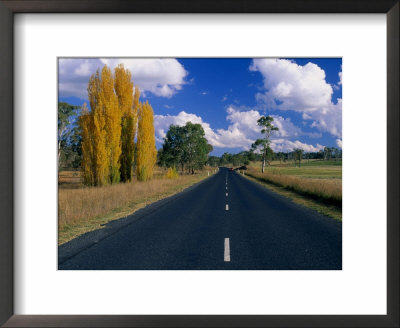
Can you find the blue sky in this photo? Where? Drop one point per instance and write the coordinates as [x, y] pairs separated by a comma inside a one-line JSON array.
[[228, 95]]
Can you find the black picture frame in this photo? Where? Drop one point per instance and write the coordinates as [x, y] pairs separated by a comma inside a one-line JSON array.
[[10, 7]]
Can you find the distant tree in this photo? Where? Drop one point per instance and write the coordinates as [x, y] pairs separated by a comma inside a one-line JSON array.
[[226, 158], [65, 114], [298, 155], [267, 130], [328, 153], [335, 153], [236, 160], [281, 157], [340, 153], [251, 156], [213, 161], [269, 155]]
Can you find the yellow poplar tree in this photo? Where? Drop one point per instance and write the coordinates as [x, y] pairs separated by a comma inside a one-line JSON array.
[[94, 133], [86, 126], [146, 143], [109, 129], [124, 89], [100, 156], [101, 131], [109, 103]]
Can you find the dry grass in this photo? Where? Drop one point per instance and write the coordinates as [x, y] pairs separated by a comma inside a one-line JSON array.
[[82, 209], [69, 179], [323, 208], [327, 190]]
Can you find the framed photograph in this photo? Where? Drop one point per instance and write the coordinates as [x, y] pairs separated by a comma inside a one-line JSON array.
[[196, 173]]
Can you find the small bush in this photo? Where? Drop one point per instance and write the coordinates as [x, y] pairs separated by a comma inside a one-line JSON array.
[[171, 173]]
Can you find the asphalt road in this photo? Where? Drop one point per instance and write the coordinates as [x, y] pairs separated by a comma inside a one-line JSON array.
[[225, 222]]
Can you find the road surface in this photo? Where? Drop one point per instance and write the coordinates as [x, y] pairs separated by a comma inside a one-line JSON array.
[[226, 222]]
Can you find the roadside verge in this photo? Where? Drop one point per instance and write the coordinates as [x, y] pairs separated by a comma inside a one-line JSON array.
[[320, 205], [75, 246]]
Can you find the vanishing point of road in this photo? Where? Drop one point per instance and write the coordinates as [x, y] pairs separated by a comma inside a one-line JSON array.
[[225, 222]]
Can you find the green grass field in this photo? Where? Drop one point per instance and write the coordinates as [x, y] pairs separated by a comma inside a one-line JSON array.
[[309, 172], [315, 169]]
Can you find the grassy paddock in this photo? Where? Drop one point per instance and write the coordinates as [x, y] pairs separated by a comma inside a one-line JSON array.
[[82, 209], [306, 172], [304, 163], [322, 183]]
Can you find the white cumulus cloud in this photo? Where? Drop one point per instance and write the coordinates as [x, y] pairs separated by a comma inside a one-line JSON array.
[[73, 76], [339, 143], [162, 77], [289, 86], [285, 145], [241, 132]]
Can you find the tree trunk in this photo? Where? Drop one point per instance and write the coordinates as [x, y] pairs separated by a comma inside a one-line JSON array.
[[264, 158], [59, 153]]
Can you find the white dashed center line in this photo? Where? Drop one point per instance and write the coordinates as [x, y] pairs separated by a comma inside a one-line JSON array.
[[227, 253], [226, 194], [227, 207]]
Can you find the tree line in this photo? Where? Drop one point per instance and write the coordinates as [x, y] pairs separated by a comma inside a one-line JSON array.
[[117, 135], [266, 154], [245, 157]]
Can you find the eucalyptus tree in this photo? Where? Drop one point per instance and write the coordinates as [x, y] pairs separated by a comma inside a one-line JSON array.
[[66, 112], [267, 130]]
